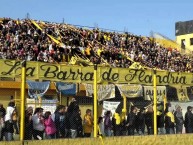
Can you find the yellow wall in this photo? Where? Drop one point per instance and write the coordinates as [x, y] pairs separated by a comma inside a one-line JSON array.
[[187, 40], [168, 44], [183, 139]]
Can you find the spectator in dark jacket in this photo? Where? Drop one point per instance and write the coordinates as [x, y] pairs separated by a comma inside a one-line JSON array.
[[60, 121], [179, 119], [75, 123], [28, 124], [169, 121], [149, 120], [160, 119], [107, 124], [189, 120], [116, 123], [131, 120], [140, 122], [2, 111], [75, 120], [2, 115]]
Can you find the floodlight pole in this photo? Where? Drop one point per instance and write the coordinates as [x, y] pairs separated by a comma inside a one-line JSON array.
[[155, 102], [95, 100], [22, 109]]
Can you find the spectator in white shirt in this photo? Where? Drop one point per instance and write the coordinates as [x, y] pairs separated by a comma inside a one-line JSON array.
[[38, 124]]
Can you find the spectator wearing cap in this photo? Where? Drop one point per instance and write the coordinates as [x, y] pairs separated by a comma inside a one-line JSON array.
[[188, 123], [38, 124]]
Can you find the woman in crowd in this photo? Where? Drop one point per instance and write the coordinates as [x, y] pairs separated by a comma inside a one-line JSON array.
[[38, 124], [179, 120], [88, 123], [50, 128]]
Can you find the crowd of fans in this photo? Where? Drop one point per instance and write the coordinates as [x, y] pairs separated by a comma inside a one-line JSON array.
[[21, 39], [66, 122]]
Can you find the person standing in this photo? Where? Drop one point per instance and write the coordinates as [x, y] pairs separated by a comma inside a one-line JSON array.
[[160, 119], [15, 121], [101, 126], [9, 130], [2, 111], [179, 119], [188, 123], [2, 125], [38, 124], [108, 124], [116, 123], [50, 128], [60, 119], [2, 115], [88, 123], [149, 120], [131, 118], [28, 124], [169, 121], [140, 121], [74, 121]]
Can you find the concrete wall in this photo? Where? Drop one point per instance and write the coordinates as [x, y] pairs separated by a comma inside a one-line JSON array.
[[183, 139]]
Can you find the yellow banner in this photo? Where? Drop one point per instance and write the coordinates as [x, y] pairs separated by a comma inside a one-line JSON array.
[[56, 72]]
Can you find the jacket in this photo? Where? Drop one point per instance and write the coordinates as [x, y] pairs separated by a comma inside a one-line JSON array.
[[131, 118], [88, 124], [50, 127], [188, 120], [75, 121], [8, 120], [169, 120]]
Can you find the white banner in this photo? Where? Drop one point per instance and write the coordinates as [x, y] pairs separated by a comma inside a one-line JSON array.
[[109, 106], [148, 92], [103, 91], [131, 91]]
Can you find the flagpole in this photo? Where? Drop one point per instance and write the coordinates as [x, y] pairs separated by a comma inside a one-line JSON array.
[[155, 102], [23, 84], [95, 100], [124, 103]]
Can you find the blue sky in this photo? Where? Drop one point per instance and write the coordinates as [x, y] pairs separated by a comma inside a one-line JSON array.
[[137, 16]]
